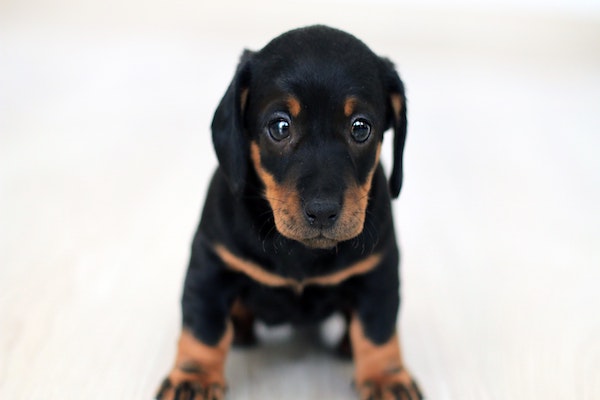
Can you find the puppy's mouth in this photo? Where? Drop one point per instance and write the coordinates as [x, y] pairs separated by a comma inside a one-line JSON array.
[[320, 242], [327, 238]]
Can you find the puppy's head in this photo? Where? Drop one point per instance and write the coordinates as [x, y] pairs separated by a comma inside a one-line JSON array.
[[307, 115]]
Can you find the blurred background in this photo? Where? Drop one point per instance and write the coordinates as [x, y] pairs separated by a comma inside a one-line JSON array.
[[105, 156]]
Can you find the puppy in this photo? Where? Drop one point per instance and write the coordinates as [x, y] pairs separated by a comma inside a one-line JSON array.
[[297, 223]]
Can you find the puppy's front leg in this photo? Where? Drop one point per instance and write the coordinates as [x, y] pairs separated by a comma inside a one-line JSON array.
[[198, 372], [380, 373]]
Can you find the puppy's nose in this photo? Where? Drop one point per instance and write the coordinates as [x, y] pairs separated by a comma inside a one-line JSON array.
[[322, 213]]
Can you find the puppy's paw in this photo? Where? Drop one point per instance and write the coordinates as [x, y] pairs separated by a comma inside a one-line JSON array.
[[396, 386], [198, 373], [190, 390]]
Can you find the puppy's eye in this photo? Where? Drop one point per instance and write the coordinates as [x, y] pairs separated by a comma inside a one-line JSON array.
[[279, 129], [361, 130]]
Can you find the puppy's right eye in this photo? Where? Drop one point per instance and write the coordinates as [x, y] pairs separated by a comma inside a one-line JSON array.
[[361, 130], [279, 129]]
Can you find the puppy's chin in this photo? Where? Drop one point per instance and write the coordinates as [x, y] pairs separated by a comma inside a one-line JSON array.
[[319, 242], [319, 239]]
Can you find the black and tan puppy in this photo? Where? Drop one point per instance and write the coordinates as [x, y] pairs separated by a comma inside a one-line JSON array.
[[297, 223]]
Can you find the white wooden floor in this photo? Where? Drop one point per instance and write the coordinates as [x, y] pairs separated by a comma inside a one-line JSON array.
[[105, 156]]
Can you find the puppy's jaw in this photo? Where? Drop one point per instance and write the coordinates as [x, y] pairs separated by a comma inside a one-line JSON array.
[[285, 203]]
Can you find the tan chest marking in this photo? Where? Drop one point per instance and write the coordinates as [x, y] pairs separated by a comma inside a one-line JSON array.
[[259, 274]]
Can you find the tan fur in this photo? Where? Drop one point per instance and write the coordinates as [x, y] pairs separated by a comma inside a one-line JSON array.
[[378, 368], [350, 105], [397, 105], [294, 106], [284, 199], [287, 211], [259, 274], [201, 365], [253, 270]]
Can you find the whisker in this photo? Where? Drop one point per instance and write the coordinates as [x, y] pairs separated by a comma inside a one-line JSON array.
[[273, 199]]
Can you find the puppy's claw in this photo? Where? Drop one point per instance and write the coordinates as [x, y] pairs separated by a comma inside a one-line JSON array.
[[401, 392], [164, 386], [215, 392], [392, 391], [190, 391]]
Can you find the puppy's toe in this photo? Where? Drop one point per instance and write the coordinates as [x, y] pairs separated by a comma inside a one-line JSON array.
[[215, 392], [190, 390], [401, 387], [402, 392]]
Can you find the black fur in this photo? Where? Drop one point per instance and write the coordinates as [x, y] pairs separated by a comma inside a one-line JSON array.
[[321, 67]]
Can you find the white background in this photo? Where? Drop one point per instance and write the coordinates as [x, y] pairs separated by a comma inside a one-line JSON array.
[[105, 155]]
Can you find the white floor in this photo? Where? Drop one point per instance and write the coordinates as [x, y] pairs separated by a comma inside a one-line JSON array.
[[105, 155]]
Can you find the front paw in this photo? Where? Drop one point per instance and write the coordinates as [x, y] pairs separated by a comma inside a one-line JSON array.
[[398, 386], [198, 371], [190, 390]]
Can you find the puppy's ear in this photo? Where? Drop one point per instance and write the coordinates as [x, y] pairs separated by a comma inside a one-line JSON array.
[[397, 120], [229, 138]]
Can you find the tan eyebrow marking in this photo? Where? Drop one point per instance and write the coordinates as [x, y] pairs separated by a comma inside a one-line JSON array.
[[350, 105], [267, 278], [294, 106]]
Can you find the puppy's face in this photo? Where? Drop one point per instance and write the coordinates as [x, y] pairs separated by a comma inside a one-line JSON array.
[[315, 115], [306, 115], [317, 172]]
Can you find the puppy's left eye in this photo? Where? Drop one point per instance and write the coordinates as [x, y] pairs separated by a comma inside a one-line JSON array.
[[361, 130], [279, 129]]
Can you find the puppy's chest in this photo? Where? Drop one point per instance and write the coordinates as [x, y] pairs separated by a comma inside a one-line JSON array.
[[301, 268], [278, 305], [297, 273]]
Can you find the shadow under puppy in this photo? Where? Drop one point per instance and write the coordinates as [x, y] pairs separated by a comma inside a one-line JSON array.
[[297, 223]]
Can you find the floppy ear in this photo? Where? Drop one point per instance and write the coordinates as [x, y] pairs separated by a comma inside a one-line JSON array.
[[229, 138], [397, 119]]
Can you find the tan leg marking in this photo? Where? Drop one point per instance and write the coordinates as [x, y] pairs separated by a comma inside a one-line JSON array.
[[380, 372], [199, 368]]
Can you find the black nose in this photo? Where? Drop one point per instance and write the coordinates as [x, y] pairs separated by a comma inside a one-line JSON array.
[[322, 213]]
